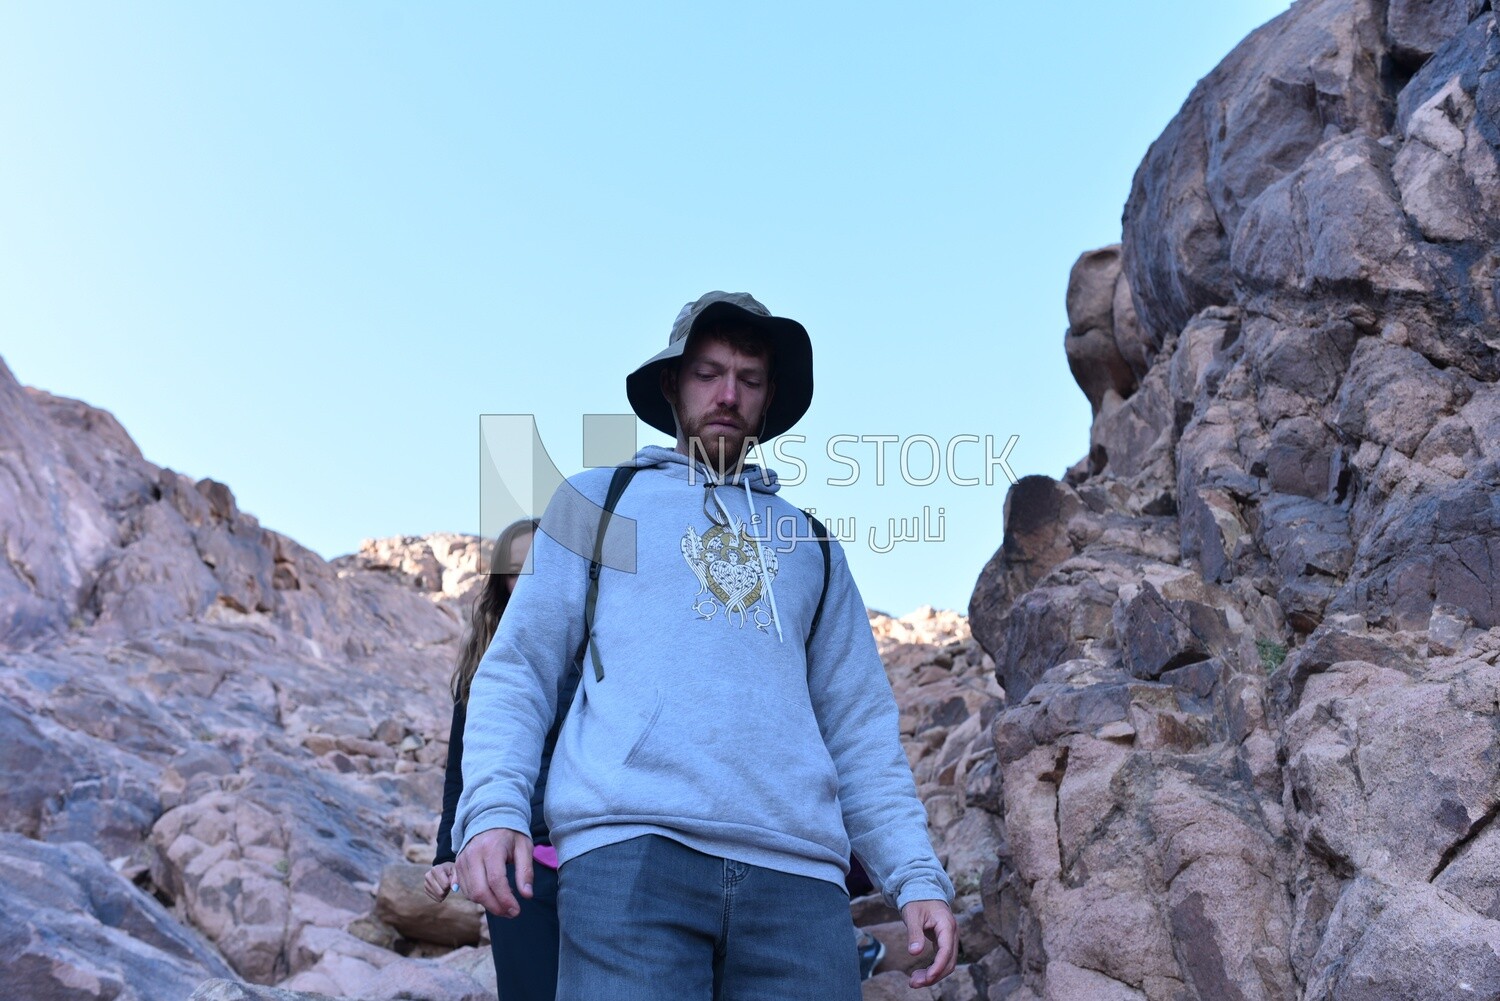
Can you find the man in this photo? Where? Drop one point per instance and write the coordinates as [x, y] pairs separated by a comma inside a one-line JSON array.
[[734, 733]]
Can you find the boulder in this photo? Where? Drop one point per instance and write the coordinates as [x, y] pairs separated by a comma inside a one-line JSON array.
[[229, 990], [75, 929], [402, 903]]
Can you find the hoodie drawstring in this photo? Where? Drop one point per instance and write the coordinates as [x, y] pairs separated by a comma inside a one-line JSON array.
[[713, 516], [760, 551]]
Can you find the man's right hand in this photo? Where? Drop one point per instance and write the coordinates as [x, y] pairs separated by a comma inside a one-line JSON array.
[[481, 870]]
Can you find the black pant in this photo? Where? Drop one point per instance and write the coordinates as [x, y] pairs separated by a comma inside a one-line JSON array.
[[525, 946]]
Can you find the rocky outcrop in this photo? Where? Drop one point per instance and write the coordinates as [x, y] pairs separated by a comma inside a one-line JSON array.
[[75, 928], [249, 734], [1250, 639], [945, 686], [445, 566]]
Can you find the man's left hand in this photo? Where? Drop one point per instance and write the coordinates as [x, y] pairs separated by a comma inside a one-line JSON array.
[[931, 919]]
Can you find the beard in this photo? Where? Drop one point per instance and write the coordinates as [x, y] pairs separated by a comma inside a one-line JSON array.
[[722, 446]]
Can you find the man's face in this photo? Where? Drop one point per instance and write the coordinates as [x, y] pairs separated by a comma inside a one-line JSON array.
[[720, 396]]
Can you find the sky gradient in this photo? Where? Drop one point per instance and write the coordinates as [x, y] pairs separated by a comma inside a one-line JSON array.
[[301, 248]]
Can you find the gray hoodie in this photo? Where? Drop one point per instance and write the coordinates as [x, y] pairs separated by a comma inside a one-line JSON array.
[[716, 723]]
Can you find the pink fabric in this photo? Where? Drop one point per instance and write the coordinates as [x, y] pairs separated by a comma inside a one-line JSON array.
[[546, 855]]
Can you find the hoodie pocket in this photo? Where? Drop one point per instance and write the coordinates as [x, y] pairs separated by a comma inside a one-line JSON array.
[[745, 758]]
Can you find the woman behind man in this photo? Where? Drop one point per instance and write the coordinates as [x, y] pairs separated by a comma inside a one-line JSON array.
[[524, 947]]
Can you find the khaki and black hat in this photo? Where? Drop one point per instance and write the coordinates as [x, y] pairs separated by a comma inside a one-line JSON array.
[[789, 344]]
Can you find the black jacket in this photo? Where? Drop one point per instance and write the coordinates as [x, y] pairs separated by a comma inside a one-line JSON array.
[[453, 777]]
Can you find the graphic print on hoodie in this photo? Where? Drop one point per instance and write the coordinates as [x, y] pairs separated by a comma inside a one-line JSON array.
[[731, 576]]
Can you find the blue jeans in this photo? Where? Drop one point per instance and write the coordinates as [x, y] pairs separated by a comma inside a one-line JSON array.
[[650, 918]]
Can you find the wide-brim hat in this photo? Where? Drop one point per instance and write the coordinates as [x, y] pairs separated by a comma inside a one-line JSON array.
[[791, 350]]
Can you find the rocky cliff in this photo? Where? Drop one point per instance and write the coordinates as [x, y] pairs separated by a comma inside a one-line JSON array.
[[1252, 744]]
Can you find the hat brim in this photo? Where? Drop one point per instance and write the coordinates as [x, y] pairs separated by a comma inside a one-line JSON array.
[[793, 375]]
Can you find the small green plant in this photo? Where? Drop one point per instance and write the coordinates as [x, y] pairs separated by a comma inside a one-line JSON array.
[[283, 866], [1271, 654], [966, 883]]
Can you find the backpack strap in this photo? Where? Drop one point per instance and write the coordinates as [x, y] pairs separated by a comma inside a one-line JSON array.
[[617, 484], [817, 526]]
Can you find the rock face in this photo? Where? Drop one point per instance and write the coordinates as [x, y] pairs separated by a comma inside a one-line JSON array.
[[76, 928], [247, 733], [1250, 640], [945, 686]]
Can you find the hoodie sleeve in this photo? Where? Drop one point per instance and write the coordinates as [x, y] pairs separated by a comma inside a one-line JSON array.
[[858, 718], [514, 697]]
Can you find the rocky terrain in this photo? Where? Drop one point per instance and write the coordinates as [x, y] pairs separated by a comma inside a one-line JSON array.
[[215, 742], [1252, 741], [224, 754]]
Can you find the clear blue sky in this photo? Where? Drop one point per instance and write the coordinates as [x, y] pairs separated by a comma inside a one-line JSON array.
[[299, 248]]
